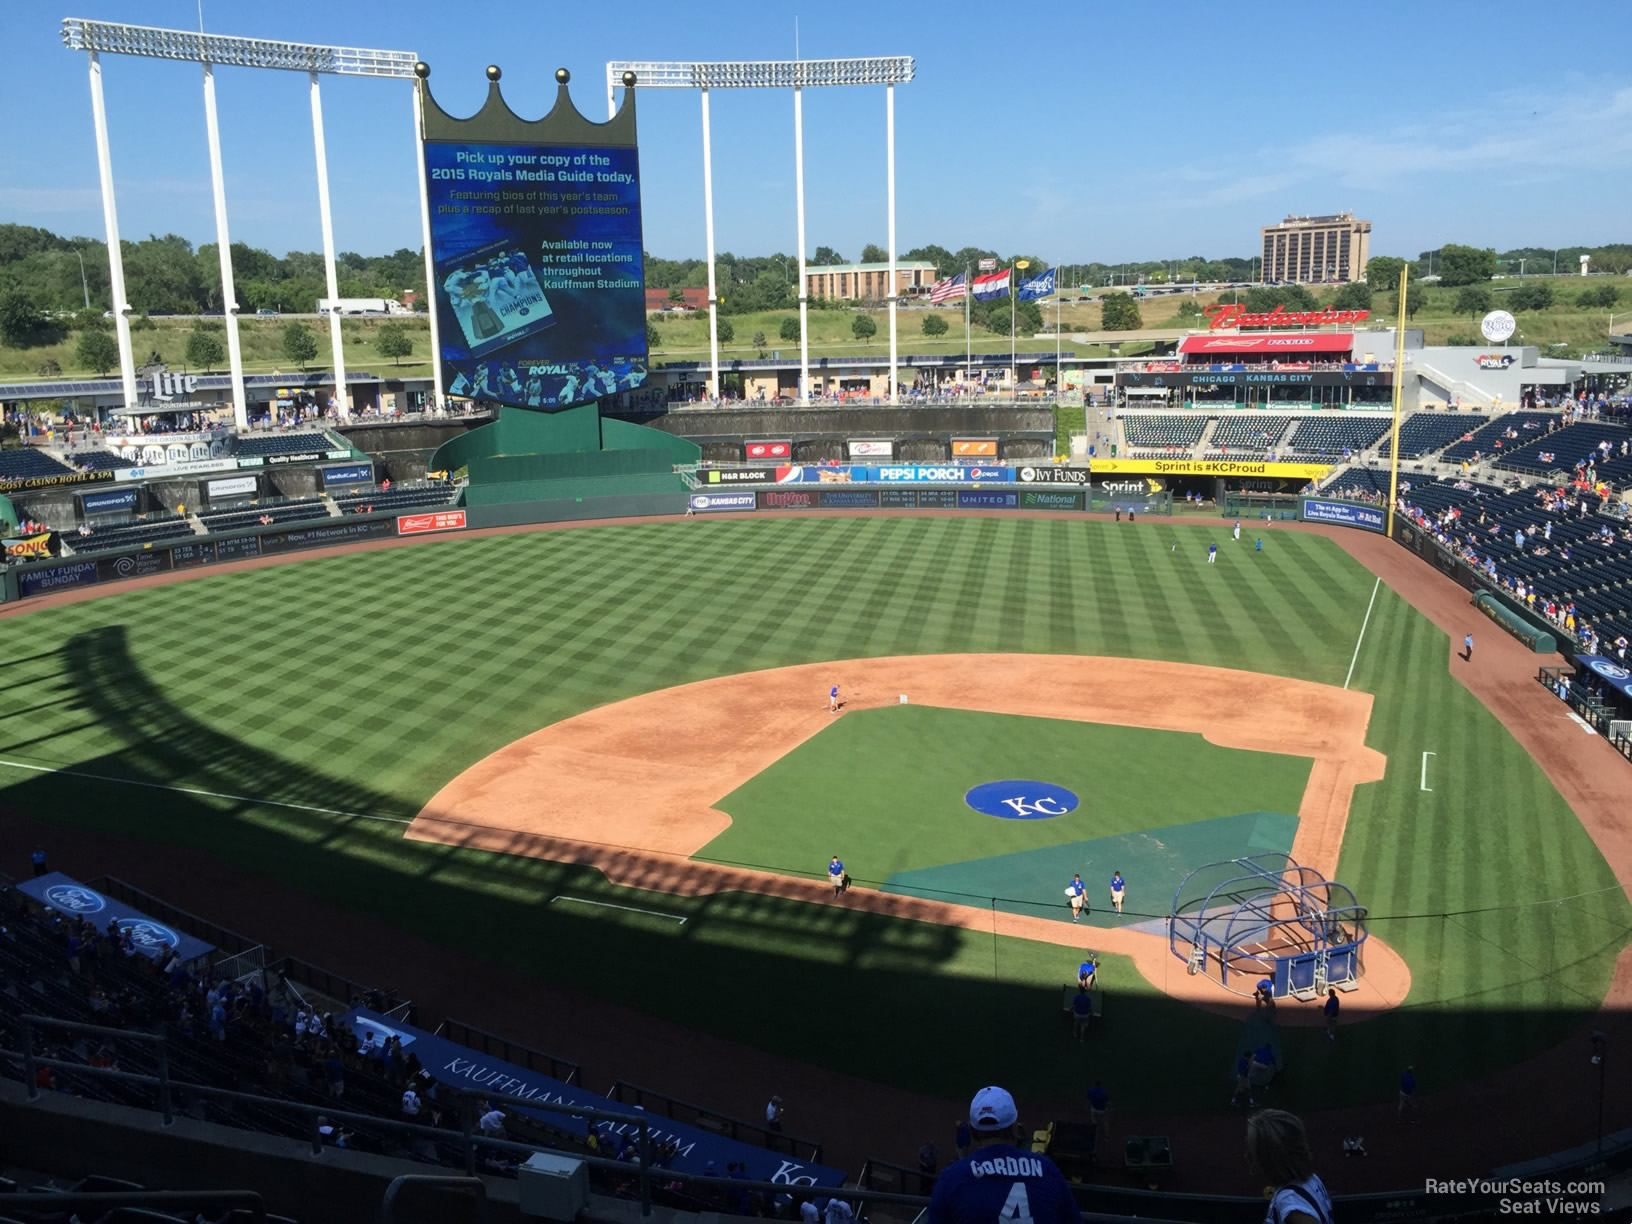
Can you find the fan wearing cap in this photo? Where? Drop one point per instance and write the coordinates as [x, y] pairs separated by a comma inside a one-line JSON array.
[[1000, 1182]]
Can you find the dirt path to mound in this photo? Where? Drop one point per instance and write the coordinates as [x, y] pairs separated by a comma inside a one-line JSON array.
[[629, 788]]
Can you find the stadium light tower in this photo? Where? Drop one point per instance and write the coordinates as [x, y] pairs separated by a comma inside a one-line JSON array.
[[97, 38], [797, 75]]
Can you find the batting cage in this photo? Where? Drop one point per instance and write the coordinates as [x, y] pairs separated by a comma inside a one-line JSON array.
[[1263, 917]]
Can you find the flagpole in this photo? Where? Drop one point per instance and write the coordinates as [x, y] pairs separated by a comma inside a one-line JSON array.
[[1059, 376], [1014, 297], [968, 344]]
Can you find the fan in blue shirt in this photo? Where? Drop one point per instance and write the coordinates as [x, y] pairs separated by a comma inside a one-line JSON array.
[[1001, 1183]]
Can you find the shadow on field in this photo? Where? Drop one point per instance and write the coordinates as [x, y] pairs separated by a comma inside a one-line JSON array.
[[550, 955]]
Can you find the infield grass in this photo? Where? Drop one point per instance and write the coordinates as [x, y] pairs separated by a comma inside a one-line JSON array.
[[360, 684]]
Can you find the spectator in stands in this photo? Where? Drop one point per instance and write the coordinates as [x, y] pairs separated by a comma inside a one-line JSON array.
[[38, 859], [1243, 1082], [411, 1105], [773, 1115], [982, 1188], [1278, 1152], [1099, 1109], [839, 1211], [1082, 1012], [928, 1159], [491, 1121], [962, 1138], [1408, 1092]]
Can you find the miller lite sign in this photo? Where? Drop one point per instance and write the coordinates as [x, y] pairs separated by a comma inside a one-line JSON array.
[[169, 386]]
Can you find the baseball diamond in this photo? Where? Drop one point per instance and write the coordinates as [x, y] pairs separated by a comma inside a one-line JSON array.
[[556, 740]]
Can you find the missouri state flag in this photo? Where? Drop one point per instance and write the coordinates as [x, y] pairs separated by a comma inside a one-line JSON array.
[[992, 285], [947, 289]]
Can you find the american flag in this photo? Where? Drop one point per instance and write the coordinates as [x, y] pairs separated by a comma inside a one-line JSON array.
[[945, 290]]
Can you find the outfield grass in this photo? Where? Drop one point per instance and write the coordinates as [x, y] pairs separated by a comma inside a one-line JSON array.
[[360, 684]]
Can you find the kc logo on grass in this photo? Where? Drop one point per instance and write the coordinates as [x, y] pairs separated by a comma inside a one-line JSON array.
[[1021, 799]]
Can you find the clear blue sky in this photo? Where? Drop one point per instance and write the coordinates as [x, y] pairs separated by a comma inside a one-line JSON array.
[[1193, 124]]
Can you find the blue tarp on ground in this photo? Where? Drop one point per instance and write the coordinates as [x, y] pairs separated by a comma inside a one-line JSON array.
[[152, 938], [511, 1087]]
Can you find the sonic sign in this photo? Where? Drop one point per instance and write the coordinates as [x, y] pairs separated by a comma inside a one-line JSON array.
[[1233, 314]]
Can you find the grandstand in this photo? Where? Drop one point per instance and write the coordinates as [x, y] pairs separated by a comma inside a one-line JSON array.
[[377, 500], [1250, 433], [149, 529], [1333, 435], [1164, 432], [100, 461], [1607, 445], [251, 446], [29, 463], [1492, 437], [264, 515], [1423, 433]]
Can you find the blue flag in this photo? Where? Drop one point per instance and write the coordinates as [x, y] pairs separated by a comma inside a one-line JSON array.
[[1037, 286]]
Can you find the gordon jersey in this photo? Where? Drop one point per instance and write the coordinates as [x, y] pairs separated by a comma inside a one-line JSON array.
[[1001, 1184]]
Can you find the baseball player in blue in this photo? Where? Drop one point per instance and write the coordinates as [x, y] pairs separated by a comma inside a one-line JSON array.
[[1074, 893], [1001, 1182], [1119, 890]]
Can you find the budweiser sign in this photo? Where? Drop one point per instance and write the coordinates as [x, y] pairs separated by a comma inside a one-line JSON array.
[[1234, 314]]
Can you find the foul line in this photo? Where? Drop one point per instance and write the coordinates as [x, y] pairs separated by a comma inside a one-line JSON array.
[[628, 908], [1425, 757], [193, 790], [1362, 636]]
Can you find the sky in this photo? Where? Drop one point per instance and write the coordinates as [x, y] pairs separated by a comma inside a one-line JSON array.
[[1082, 132]]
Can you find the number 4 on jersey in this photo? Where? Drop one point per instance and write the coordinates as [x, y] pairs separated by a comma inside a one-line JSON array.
[[1016, 1208]]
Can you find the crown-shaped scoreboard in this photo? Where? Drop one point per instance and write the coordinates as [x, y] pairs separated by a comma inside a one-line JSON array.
[[536, 249]]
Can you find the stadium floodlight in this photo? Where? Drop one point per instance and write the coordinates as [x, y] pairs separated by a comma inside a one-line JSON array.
[[97, 38], [115, 38], [795, 74]]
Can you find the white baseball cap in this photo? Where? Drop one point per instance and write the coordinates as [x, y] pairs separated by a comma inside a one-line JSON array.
[[992, 1110]]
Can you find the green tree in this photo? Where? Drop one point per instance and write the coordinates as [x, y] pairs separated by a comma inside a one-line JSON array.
[[1353, 296], [1599, 296], [789, 330], [1188, 310], [1473, 301], [677, 295], [654, 338], [299, 344], [1383, 272], [1465, 265], [862, 327], [873, 253], [143, 322], [1264, 298], [827, 257], [1462, 340], [934, 325], [204, 351], [1416, 297], [97, 351], [1119, 312], [394, 342], [759, 340], [727, 333], [20, 322], [1532, 297], [49, 368]]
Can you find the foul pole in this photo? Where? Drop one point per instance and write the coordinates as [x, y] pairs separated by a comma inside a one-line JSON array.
[[1394, 432]]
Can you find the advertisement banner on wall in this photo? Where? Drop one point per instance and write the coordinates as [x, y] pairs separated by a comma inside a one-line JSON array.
[[851, 499], [1213, 467], [1052, 475], [987, 499], [436, 520], [536, 246], [940, 474], [756, 475], [47, 578], [24, 484], [28, 548], [756, 451], [787, 499], [934, 499], [350, 474], [110, 502], [191, 468], [1344, 514], [1038, 499], [232, 486], [316, 537], [710, 503], [898, 499], [871, 448], [974, 448], [132, 565]]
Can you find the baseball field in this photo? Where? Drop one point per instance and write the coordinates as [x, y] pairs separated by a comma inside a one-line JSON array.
[[603, 760]]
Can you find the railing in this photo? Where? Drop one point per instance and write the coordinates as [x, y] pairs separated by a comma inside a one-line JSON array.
[[719, 1124], [57, 1204], [228, 941], [497, 1047], [467, 1139]]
